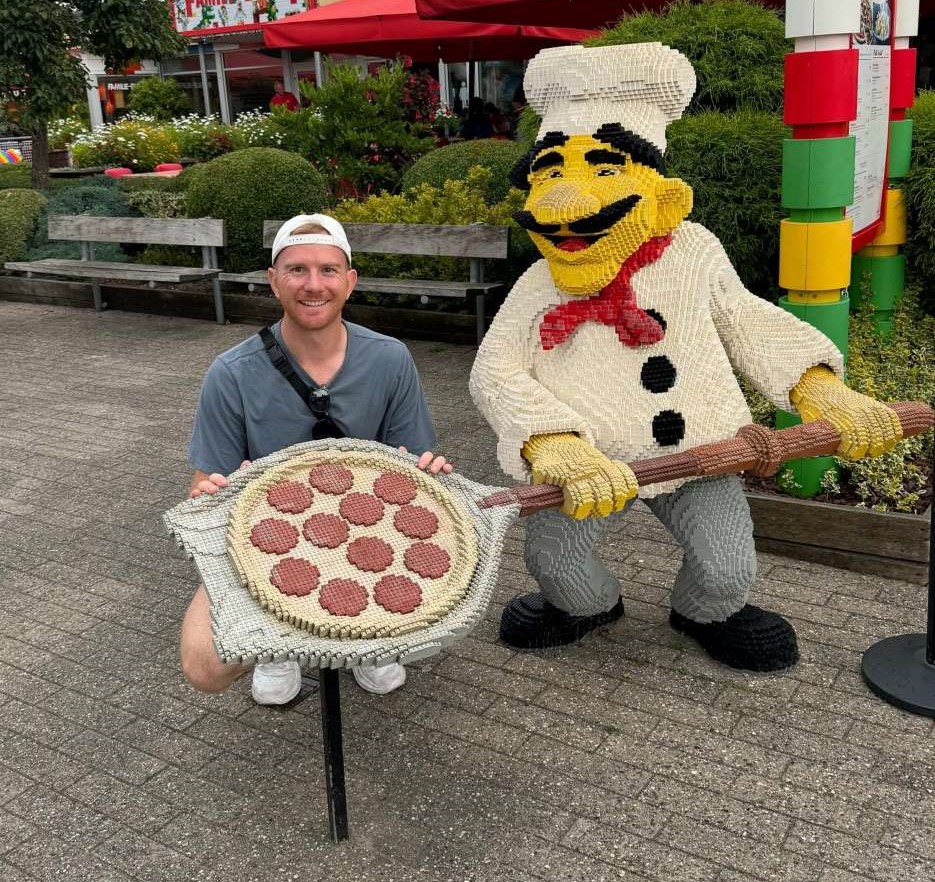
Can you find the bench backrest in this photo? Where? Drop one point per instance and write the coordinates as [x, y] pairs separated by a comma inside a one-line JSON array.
[[204, 231], [468, 240]]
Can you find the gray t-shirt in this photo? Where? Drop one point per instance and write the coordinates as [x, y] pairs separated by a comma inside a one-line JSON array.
[[248, 409]]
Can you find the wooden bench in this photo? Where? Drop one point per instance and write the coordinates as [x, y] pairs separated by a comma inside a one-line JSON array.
[[208, 233], [474, 241]]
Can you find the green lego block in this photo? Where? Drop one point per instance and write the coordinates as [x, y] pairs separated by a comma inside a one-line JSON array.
[[818, 172], [900, 148]]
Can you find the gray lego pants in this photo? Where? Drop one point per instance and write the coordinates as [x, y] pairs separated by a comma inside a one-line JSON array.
[[709, 517]]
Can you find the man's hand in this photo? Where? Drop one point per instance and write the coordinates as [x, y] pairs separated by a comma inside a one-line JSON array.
[[867, 427], [429, 462], [202, 482], [593, 485]]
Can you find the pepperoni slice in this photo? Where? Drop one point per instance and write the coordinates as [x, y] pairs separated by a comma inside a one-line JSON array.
[[398, 594], [369, 554], [331, 478], [295, 576], [343, 597], [325, 530], [416, 522], [427, 559], [274, 536], [289, 497], [395, 488], [362, 509]]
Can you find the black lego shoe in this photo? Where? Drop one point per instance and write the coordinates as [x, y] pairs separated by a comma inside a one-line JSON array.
[[751, 639], [531, 622]]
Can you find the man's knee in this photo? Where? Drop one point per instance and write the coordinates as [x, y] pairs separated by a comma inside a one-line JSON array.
[[201, 664]]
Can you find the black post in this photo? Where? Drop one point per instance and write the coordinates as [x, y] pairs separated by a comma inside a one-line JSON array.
[[901, 670], [334, 753]]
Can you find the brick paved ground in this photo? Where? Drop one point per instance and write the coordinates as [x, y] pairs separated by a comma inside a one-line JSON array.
[[629, 756]]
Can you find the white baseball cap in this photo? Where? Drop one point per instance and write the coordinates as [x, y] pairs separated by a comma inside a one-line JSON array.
[[335, 234]]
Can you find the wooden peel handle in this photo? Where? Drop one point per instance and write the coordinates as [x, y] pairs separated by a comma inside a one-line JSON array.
[[754, 449]]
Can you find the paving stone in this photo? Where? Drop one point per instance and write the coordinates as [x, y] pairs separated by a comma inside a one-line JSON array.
[[119, 758], [64, 819], [49, 858]]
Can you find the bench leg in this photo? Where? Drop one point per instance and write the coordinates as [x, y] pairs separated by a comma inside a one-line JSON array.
[[98, 300], [481, 319], [218, 301], [330, 694]]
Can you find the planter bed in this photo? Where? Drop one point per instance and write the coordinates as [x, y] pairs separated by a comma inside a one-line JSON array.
[[889, 544]]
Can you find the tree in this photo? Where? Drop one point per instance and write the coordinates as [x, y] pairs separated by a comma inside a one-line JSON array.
[[38, 65]]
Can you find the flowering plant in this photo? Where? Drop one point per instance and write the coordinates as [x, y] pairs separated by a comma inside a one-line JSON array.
[[63, 131], [135, 142]]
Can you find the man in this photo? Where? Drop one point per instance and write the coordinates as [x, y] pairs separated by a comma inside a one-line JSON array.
[[282, 98], [622, 344], [353, 382]]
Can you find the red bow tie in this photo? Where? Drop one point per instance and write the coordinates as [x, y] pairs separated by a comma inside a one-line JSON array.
[[615, 305]]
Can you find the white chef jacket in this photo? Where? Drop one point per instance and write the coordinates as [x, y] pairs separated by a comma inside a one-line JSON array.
[[593, 384]]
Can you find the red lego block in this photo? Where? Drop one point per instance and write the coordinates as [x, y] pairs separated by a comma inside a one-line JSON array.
[[821, 87], [902, 78]]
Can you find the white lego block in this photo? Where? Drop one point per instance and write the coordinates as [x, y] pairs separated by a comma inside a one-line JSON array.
[[809, 18], [906, 23], [825, 43]]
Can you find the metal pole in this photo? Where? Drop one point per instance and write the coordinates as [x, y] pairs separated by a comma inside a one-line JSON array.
[[223, 94], [203, 66], [319, 70], [330, 694]]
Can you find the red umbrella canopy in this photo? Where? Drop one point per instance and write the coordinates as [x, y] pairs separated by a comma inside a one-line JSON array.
[[392, 27], [557, 13]]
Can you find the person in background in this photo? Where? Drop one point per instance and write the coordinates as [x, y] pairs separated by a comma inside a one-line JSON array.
[[282, 98], [477, 123], [499, 124]]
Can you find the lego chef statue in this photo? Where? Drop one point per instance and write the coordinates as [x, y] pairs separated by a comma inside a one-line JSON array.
[[622, 344]]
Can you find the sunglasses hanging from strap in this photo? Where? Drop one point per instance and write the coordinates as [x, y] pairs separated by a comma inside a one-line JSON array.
[[318, 400]]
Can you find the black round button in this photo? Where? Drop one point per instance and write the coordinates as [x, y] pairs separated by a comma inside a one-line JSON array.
[[668, 427], [655, 314], [658, 374]]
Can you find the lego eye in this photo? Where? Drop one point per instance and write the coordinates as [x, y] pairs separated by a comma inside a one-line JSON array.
[[607, 172], [554, 173]]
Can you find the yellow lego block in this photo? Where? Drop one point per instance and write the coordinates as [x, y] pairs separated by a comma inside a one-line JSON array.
[[815, 257], [893, 231]]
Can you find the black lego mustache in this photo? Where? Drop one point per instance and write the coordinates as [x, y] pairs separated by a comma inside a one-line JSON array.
[[598, 223]]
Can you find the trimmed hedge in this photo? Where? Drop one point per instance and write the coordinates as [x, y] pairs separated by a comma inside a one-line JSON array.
[[919, 188], [452, 163], [17, 176], [97, 196], [736, 48], [246, 187], [733, 162], [19, 212]]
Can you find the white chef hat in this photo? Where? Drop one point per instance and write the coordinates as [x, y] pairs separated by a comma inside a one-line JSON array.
[[335, 234], [640, 86]]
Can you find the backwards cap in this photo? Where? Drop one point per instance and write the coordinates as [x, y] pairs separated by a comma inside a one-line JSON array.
[[641, 86], [335, 234]]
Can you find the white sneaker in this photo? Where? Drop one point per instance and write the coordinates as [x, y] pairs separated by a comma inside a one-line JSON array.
[[276, 682], [380, 680]]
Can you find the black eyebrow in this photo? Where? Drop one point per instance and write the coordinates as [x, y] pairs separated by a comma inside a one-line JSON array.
[[547, 159], [604, 157]]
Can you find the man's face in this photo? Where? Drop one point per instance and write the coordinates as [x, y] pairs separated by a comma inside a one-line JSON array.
[[590, 206], [312, 282]]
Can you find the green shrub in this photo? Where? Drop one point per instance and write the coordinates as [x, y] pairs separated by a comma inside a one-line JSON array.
[[100, 196], [157, 203], [204, 138], [16, 176], [19, 212], [452, 163], [736, 48], [158, 98], [136, 143], [135, 183], [919, 188], [247, 187], [455, 202], [733, 163], [358, 131], [169, 255]]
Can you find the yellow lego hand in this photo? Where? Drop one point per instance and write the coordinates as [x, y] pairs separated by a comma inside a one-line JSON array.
[[593, 485], [867, 427]]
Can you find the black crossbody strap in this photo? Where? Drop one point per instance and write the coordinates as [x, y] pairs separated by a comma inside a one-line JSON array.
[[283, 365]]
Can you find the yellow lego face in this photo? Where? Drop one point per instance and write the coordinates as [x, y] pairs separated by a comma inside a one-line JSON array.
[[590, 206]]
